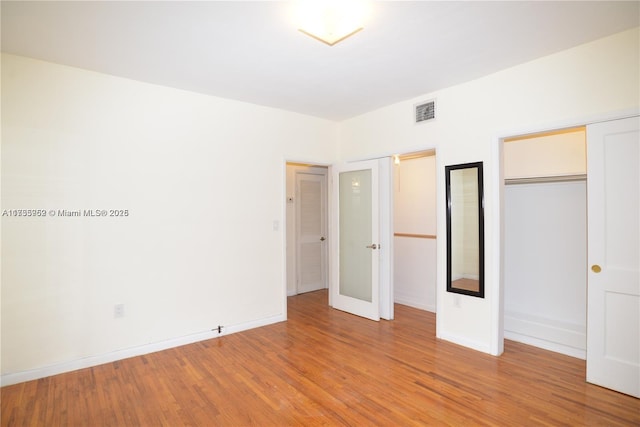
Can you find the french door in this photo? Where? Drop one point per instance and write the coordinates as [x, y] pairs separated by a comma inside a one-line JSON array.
[[613, 297], [356, 239]]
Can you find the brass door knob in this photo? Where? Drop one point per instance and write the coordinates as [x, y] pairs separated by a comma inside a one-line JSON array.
[[596, 268]]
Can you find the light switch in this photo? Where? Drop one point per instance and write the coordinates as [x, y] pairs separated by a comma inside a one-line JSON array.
[[276, 225]]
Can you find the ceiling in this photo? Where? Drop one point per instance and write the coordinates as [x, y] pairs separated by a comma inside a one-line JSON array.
[[251, 51]]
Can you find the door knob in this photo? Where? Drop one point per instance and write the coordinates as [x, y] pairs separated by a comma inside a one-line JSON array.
[[596, 268], [322, 239], [374, 246]]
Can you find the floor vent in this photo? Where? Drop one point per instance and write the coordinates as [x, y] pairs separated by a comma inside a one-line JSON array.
[[425, 111]]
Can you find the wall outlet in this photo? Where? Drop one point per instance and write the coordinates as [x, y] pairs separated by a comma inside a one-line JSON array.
[[118, 310]]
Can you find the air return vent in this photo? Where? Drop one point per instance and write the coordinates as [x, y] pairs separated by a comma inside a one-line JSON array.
[[425, 111]]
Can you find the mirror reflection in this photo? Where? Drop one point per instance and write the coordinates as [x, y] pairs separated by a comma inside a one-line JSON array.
[[465, 229]]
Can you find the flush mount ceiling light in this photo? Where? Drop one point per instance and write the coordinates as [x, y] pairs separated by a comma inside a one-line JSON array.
[[330, 21]]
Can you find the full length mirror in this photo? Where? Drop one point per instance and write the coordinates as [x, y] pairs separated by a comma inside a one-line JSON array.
[[465, 229]]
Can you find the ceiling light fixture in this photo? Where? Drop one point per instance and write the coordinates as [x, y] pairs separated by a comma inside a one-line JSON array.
[[330, 21]]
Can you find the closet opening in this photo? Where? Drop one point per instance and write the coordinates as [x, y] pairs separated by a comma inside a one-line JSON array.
[[545, 240]]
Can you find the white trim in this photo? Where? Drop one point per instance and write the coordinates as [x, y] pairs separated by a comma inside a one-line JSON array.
[[404, 151], [331, 224], [547, 345], [283, 238], [569, 123], [552, 334], [410, 302], [496, 183], [441, 244], [310, 163], [87, 362], [386, 238], [465, 342]]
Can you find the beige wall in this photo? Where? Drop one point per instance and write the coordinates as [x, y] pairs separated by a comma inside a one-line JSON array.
[[556, 154]]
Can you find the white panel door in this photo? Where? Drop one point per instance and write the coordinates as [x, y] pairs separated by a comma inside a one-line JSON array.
[[613, 299], [311, 231], [355, 241]]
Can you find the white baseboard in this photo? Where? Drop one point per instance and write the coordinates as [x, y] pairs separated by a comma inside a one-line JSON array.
[[465, 342], [87, 362], [411, 302], [550, 334], [547, 345]]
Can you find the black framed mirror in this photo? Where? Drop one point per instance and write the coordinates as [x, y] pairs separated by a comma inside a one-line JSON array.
[[465, 229]]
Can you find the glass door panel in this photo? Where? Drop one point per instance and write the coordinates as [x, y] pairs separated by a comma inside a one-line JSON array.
[[355, 254], [355, 234]]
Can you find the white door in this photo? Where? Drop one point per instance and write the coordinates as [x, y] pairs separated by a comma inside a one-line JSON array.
[[311, 231], [355, 239], [613, 298]]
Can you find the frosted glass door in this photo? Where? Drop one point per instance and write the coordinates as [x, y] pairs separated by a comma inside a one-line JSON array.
[[355, 284], [355, 234]]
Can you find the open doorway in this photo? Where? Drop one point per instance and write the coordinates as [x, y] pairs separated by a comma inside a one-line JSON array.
[[306, 228], [414, 212]]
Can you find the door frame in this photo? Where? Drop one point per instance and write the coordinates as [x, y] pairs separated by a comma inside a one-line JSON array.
[[286, 234], [495, 184]]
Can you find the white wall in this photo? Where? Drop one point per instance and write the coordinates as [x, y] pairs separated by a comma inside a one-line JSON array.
[[545, 265], [203, 181], [593, 80], [415, 213]]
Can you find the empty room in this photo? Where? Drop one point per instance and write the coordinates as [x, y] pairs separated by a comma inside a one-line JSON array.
[[264, 213]]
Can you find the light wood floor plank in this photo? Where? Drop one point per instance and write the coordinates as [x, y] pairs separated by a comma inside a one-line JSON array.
[[324, 367]]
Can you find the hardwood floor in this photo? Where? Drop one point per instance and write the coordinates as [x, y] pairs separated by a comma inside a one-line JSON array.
[[324, 367]]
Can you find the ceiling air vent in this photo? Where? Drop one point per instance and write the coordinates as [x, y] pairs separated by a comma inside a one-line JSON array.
[[425, 111]]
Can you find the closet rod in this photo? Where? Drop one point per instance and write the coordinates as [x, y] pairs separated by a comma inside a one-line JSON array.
[[543, 179], [418, 236]]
